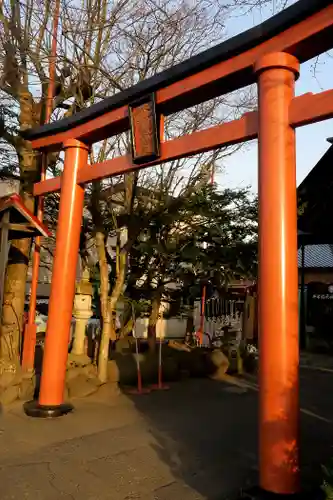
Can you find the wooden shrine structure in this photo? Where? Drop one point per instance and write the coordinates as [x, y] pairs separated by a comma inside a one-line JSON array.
[[16, 222]]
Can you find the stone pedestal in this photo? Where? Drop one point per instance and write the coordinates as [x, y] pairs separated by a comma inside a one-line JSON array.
[[81, 318], [82, 312]]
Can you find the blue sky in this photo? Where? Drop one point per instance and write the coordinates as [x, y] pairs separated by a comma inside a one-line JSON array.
[[240, 169]]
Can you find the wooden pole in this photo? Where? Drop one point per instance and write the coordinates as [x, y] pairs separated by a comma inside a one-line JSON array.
[[278, 278], [63, 287], [139, 390], [202, 315], [3, 255]]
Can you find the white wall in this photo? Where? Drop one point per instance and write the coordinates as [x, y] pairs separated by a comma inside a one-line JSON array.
[[8, 187], [176, 327]]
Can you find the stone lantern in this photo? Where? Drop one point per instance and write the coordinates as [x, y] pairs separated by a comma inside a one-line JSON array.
[[82, 312]]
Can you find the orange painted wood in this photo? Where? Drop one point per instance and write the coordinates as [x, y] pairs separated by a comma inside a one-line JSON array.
[[205, 140], [47, 186], [63, 277], [278, 278], [305, 109], [311, 108]]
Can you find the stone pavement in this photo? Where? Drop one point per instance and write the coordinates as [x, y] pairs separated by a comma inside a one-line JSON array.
[[322, 362], [196, 441]]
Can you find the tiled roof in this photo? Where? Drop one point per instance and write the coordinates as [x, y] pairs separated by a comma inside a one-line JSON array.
[[316, 256]]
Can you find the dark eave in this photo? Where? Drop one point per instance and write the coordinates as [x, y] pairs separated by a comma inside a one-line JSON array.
[[315, 203]]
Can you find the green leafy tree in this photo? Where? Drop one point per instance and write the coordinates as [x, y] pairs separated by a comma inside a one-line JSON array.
[[205, 235]]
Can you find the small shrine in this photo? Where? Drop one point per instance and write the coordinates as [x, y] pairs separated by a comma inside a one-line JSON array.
[[16, 222]]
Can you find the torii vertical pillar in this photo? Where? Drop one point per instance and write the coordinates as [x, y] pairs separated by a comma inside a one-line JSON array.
[[51, 403], [278, 283]]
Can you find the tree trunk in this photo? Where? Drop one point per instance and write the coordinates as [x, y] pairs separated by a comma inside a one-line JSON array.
[[127, 324], [18, 259], [153, 318], [109, 332], [14, 298], [117, 290], [108, 305], [104, 298]]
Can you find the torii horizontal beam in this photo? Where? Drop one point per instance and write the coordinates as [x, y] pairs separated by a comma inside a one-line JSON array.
[[304, 30], [305, 109]]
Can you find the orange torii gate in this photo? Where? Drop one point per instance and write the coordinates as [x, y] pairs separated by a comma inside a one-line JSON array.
[[269, 54]]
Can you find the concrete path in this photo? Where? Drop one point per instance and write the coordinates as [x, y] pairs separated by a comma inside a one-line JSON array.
[[196, 441], [320, 362]]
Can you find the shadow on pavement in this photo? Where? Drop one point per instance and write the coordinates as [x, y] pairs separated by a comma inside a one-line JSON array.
[[207, 434]]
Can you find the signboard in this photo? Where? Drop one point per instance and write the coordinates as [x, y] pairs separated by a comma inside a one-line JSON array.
[[320, 305], [144, 133]]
